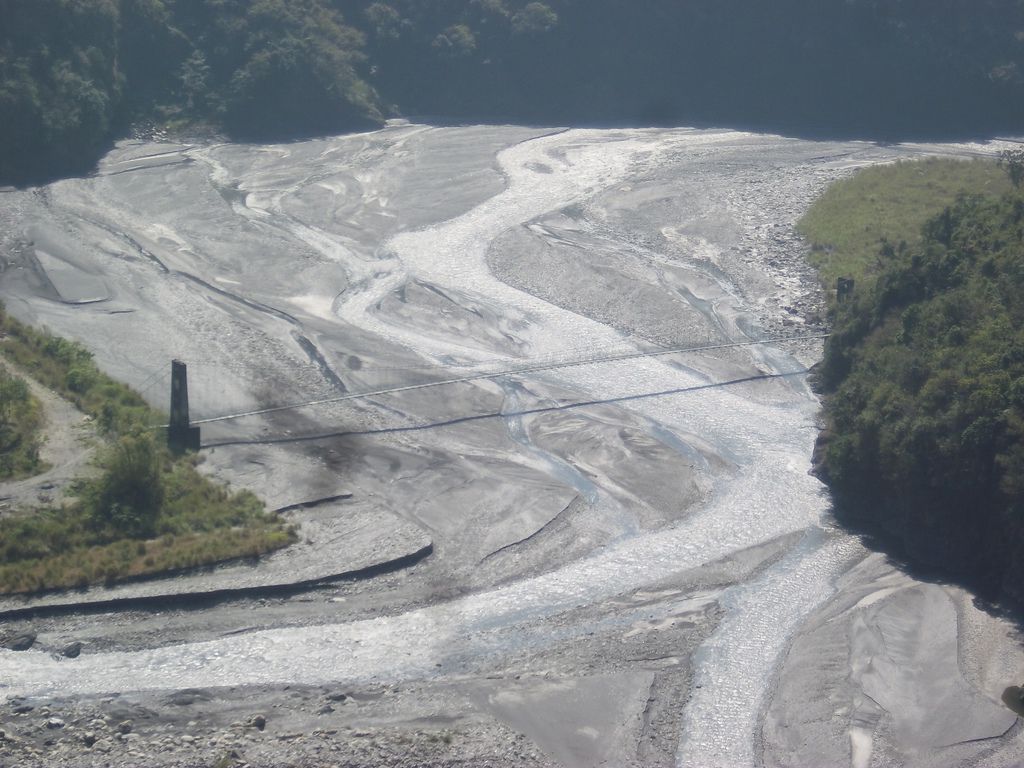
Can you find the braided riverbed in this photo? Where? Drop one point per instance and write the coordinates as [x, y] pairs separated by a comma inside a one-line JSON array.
[[642, 580]]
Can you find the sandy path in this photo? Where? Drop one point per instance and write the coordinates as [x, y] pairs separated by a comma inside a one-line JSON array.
[[68, 445]]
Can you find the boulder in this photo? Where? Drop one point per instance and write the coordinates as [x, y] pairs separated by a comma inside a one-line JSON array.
[[71, 650], [188, 696], [22, 642]]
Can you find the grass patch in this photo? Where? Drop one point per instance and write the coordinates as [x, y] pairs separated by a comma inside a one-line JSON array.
[[850, 225], [67, 368], [21, 423], [60, 549], [145, 513]]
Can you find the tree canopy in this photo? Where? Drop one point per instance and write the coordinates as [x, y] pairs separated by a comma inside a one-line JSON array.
[[924, 376], [76, 73]]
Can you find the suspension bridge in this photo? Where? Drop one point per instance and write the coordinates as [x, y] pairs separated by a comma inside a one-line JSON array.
[[180, 421]]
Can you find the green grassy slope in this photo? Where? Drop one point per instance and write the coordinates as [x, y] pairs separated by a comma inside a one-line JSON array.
[[143, 513], [923, 376], [850, 223]]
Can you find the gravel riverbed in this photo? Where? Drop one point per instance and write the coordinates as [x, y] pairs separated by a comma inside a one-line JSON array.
[[629, 563]]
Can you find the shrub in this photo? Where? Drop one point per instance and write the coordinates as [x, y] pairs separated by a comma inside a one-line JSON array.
[[128, 496]]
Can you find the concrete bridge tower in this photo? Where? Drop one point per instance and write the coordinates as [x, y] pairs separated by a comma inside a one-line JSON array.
[[181, 435]]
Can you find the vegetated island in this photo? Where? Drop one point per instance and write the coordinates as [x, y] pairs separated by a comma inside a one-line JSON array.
[[923, 377], [75, 74], [142, 512]]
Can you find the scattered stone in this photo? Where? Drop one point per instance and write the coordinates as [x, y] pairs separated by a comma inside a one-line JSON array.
[[338, 696], [125, 726], [19, 706], [71, 650], [22, 642], [326, 709], [54, 722], [188, 697], [88, 738], [259, 722]]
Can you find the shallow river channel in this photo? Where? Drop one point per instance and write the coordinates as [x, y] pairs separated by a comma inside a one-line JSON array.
[[630, 563]]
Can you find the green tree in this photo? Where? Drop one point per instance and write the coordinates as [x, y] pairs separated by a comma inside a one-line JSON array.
[[385, 21], [457, 41], [1012, 161], [298, 73], [534, 18], [127, 497], [195, 75]]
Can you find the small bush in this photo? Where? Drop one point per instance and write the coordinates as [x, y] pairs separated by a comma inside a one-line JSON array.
[[126, 500]]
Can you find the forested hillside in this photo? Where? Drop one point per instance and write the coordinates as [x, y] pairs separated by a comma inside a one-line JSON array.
[[76, 73], [924, 383]]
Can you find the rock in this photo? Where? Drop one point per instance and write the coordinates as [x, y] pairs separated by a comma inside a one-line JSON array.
[[88, 738], [259, 722], [19, 706], [22, 642], [326, 709], [54, 722], [337, 696], [188, 697], [71, 650], [125, 726]]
